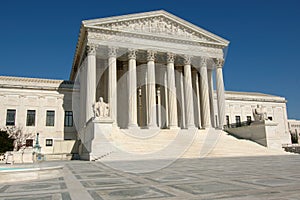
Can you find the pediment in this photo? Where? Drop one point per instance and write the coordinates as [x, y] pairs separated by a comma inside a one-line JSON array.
[[157, 23]]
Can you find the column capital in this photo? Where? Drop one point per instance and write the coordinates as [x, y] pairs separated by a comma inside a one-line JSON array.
[[112, 51], [132, 53], [203, 62], [219, 62], [170, 57], [187, 59], [150, 55], [91, 49]]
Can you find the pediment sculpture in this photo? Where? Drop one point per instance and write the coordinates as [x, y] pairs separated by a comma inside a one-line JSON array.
[[156, 25], [259, 114], [101, 109]]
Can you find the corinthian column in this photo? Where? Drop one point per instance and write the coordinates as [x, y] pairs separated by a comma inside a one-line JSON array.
[[188, 93], [90, 78], [220, 92], [151, 90], [172, 92], [204, 95], [132, 107], [211, 96], [112, 90]]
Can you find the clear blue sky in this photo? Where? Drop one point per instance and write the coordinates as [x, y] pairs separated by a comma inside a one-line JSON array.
[[38, 38]]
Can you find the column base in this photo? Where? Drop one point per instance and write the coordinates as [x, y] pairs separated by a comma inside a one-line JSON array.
[[133, 126], [192, 128], [115, 125], [207, 127], [173, 128], [153, 127]]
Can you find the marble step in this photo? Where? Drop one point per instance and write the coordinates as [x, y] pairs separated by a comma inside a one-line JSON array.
[[164, 144]]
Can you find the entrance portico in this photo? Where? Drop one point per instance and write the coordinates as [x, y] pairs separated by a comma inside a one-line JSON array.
[[153, 69]]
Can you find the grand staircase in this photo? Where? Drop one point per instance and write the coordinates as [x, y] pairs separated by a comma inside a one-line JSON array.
[[171, 144]]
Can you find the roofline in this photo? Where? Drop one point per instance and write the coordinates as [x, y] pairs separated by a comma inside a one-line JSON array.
[[153, 13]]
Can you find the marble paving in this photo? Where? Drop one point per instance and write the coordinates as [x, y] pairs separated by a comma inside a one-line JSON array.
[[238, 178]]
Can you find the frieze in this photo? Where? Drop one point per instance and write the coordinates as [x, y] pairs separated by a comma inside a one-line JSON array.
[[99, 37], [112, 35]]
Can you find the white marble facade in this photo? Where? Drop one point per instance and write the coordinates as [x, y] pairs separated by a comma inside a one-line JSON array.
[[154, 70], [39, 95], [22, 94]]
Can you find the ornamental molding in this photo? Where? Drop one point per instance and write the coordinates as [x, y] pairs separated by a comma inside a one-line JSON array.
[[158, 25], [99, 37], [113, 35], [34, 83]]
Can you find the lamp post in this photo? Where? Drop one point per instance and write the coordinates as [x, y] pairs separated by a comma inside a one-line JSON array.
[[37, 146]]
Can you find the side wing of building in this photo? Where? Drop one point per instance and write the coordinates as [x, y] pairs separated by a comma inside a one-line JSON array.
[[240, 105], [41, 106]]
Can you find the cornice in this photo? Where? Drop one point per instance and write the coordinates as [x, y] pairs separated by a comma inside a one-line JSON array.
[[34, 83], [253, 96], [35, 80]]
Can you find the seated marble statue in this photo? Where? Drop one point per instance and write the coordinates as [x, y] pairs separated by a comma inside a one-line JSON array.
[[100, 108], [259, 114]]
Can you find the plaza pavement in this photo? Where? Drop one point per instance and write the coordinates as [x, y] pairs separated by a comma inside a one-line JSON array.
[[239, 178]]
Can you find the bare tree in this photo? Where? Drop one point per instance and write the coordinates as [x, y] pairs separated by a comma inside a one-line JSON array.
[[18, 135]]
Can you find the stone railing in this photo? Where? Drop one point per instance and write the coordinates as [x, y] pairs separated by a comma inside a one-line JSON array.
[[261, 132], [240, 124]]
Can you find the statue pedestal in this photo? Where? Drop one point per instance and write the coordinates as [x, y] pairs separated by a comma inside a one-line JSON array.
[[95, 138], [262, 132], [272, 138]]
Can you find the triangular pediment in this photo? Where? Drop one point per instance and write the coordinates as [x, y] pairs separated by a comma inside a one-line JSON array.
[[156, 23]]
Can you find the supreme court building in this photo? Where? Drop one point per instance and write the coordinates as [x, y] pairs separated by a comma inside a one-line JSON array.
[[153, 69]]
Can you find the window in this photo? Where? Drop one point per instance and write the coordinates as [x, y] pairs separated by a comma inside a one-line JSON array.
[[270, 118], [30, 118], [50, 118], [49, 142], [10, 117], [238, 121], [68, 118], [227, 120], [29, 143]]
